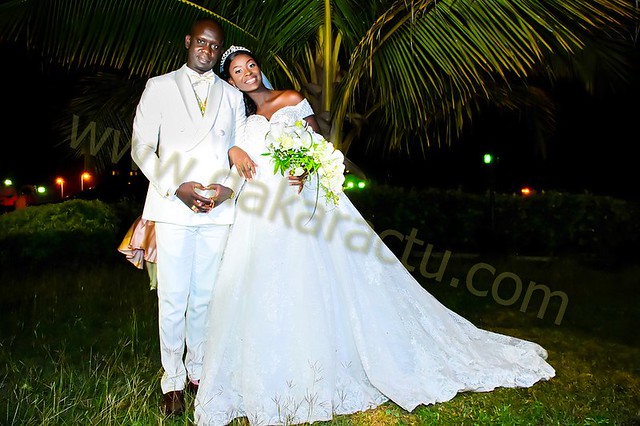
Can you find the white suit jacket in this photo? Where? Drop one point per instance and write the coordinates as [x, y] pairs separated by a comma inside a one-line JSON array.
[[173, 143]]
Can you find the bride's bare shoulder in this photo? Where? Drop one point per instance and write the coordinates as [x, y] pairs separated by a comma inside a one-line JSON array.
[[279, 99], [289, 98]]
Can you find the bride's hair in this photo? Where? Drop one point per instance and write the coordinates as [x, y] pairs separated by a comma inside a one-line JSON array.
[[250, 107]]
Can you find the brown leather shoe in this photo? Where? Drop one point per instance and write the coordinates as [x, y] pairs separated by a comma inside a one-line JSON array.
[[192, 387], [172, 403]]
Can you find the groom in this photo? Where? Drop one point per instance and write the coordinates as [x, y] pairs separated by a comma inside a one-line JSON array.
[[185, 123]]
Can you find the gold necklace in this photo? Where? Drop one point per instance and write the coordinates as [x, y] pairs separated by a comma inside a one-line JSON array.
[[201, 104]]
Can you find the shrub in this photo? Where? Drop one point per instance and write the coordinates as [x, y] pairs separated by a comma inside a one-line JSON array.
[[541, 224], [75, 231]]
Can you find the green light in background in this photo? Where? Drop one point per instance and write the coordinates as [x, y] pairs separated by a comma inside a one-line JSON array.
[[488, 159], [352, 182], [41, 190], [8, 182]]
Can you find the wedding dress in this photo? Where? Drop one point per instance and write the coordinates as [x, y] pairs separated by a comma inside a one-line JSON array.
[[312, 315]]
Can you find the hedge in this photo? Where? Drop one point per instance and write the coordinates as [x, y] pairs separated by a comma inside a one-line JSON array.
[[545, 224]]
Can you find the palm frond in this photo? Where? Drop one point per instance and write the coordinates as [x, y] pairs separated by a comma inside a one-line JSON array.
[[417, 71], [143, 38], [427, 59]]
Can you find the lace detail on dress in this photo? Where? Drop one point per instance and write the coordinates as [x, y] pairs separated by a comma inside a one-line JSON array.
[[305, 109], [290, 114]]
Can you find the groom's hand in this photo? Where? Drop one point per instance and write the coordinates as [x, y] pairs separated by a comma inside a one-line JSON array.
[[222, 193], [186, 192]]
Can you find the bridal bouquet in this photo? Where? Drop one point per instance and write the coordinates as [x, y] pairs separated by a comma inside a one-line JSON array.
[[296, 149]]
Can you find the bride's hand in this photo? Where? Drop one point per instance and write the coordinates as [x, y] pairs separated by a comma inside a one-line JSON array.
[[245, 166], [298, 181]]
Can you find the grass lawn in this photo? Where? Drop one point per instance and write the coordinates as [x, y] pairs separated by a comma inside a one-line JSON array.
[[78, 346]]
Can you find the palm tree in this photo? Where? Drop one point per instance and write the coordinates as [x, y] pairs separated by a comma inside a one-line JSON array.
[[407, 74]]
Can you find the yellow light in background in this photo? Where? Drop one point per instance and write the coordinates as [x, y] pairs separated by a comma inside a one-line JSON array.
[[526, 191], [60, 182], [84, 176], [8, 182]]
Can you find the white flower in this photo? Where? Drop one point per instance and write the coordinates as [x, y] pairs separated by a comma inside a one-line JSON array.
[[274, 136], [287, 142]]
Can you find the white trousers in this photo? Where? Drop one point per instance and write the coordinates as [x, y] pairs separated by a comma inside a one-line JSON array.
[[188, 260]]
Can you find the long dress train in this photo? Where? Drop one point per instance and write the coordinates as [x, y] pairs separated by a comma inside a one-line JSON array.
[[312, 315]]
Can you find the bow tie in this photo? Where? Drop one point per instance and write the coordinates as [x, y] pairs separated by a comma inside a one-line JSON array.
[[201, 78]]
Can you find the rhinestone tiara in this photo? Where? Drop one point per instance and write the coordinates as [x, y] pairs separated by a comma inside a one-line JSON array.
[[228, 52]]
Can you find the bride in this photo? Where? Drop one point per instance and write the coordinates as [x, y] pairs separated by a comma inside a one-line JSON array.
[[313, 316]]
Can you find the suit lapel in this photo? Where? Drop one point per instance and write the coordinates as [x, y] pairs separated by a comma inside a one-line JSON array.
[[202, 124], [188, 96]]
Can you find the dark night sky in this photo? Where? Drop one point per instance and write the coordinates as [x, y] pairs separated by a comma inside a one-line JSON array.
[[32, 152], [590, 152]]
